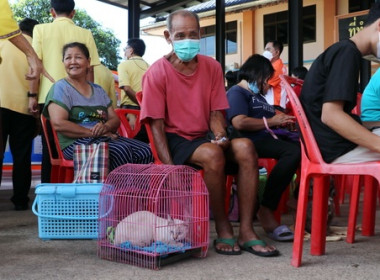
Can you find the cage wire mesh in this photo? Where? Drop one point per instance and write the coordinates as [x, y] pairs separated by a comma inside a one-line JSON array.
[[151, 215]]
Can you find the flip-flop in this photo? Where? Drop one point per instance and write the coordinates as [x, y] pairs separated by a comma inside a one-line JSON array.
[[247, 246], [282, 233], [228, 241]]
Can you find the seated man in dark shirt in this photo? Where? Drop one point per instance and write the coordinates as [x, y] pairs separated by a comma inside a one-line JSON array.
[[329, 94]]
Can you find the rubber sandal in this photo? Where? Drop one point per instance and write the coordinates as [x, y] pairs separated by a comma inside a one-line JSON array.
[[282, 233], [228, 241], [247, 246]]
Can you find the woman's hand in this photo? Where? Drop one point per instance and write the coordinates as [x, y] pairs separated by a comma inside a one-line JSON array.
[[111, 135], [281, 120], [100, 129]]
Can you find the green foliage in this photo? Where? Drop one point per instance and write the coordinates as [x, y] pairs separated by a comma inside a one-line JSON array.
[[106, 42]]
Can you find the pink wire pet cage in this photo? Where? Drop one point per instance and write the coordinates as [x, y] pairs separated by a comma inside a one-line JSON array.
[[134, 192]]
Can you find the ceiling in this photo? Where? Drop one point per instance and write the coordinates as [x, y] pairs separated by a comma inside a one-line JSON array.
[[156, 8]]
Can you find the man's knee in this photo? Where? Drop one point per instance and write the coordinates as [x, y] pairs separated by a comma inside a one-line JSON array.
[[244, 151], [210, 157]]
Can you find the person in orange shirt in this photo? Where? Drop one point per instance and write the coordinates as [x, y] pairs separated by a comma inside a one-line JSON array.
[[276, 96]]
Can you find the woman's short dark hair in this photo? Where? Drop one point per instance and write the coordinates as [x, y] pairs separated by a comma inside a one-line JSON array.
[[137, 45], [256, 68], [78, 45]]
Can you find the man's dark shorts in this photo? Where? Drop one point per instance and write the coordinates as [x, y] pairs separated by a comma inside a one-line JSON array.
[[181, 150]]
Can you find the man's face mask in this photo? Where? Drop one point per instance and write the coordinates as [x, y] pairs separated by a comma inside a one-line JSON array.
[[186, 49], [268, 55]]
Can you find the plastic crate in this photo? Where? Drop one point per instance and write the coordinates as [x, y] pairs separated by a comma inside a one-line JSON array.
[[67, 211]]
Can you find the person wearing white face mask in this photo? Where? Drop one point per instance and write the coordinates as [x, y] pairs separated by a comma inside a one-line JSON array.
[[329, 94], [276, 94], [183, 99]]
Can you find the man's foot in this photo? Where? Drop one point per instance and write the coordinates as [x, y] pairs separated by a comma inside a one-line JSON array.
[[259, 248], [226, 246]]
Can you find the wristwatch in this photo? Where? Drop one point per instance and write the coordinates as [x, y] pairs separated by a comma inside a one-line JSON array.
[[32, 94]]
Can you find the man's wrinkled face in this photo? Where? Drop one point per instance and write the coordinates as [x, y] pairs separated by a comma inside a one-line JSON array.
[[183, 27]]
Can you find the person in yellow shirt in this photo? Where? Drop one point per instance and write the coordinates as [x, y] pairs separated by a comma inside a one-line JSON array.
[[276, 95], [48, 42], [131, 71], [104, 77], [9, 30], [18, 124]]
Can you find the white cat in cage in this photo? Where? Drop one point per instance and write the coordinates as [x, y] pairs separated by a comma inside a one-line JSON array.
[[141, 228]]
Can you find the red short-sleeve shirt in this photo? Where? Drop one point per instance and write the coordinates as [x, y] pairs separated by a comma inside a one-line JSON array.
[[184, 102]]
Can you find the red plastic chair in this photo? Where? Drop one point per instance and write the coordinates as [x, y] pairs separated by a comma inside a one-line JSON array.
[[312, 165], [62, 169], [125, 128]]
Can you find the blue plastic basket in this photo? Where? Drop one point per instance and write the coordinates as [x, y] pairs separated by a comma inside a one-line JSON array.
[[67, 211]]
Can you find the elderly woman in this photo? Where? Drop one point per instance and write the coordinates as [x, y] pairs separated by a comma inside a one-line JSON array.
[[81, 112], [250, 114]]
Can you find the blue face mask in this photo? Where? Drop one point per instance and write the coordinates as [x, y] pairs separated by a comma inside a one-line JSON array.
[[186, 49], [253, 87]]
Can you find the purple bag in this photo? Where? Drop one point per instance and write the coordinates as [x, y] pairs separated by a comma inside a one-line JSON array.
[[285, 134]]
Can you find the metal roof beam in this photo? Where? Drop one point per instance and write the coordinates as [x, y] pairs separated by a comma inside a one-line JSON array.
[[164, 7]]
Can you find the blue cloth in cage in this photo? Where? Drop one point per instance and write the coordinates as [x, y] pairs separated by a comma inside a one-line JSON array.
[[157, 247]]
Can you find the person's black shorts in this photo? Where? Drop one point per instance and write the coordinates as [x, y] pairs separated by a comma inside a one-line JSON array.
[[181, 149]]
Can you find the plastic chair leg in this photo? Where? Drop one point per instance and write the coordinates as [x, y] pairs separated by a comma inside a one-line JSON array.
[[68, 175], [229, 180], [300, 221], [54, 174], [354, 203], [319, 215], [369, 206]]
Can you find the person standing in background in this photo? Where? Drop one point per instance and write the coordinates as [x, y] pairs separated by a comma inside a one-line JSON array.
[[104, 77], [276, 95], [9, 30], [48, 41], [130, 73], [16, 121]]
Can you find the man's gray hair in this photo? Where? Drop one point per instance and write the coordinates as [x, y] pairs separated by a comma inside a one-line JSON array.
[[183, 13]]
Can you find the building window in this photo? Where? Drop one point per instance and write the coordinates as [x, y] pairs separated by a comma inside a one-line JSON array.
[[276, 25], [359, 5], [208, 39]]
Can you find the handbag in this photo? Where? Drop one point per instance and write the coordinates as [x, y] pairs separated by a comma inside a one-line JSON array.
[[282, 133], [91, 162]]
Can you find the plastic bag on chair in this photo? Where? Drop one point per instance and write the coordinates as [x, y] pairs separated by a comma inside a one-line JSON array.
[[91, 163]]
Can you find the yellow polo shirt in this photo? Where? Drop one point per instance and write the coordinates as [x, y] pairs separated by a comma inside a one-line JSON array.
[[130, 74], [104, 77], [8, 26], [14, 88], [48, 41]]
